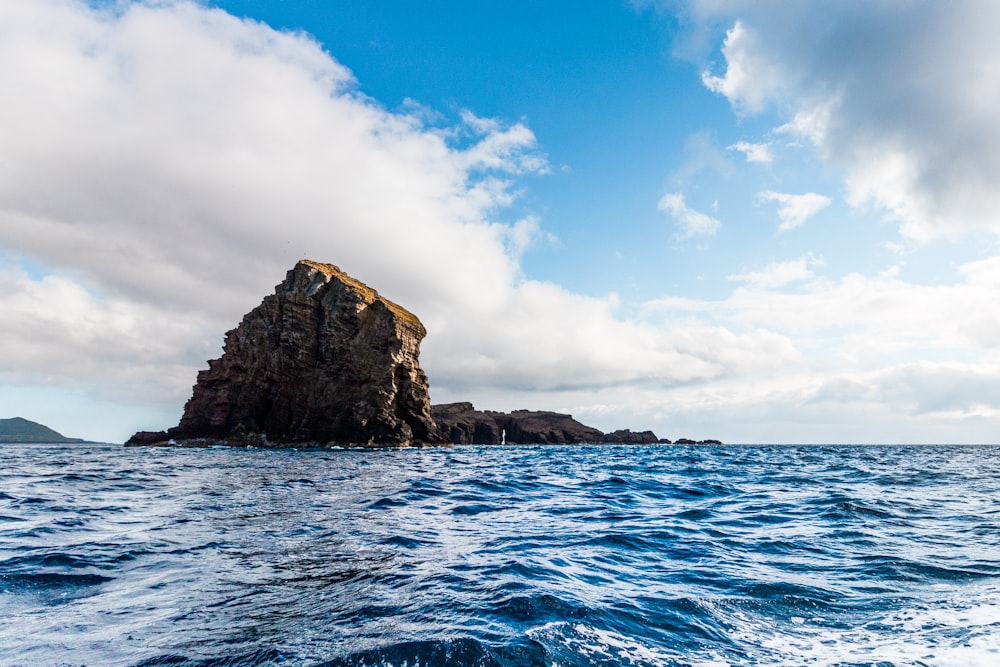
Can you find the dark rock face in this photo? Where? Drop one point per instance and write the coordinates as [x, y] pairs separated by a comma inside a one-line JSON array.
[[462, 424], [544, 428], [148, 438], [688, 441], [323, 359], [628, 437]]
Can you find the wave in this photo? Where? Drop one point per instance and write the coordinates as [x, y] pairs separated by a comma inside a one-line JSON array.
[[501, 556], [458, 652]]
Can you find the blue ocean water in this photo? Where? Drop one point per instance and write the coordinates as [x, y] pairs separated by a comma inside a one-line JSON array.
[[558, 555]]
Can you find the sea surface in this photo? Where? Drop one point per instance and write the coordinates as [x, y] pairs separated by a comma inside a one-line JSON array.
[[520, 555]]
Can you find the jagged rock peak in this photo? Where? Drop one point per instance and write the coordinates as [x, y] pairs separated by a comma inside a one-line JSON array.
[[331, 272], [323, 359]]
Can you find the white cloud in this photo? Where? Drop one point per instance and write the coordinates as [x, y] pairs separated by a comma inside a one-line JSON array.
[[753, 152], [958, 390], [780, 274], [793, 210], [900, 95], [876, 355], [525, 234], [56, 332], [870, 321], [502, 148], [691, 222], [750, 80]]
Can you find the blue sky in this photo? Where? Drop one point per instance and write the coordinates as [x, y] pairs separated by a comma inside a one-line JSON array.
[[757, 221]]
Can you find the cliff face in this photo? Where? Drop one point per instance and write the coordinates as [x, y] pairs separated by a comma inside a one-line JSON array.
[[323, 359]]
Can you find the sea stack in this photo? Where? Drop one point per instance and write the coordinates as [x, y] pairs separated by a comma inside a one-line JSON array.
[[325, 359]]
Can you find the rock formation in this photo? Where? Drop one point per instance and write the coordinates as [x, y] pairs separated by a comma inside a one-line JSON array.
[[327, 360], [462, 424], [323, 359], [544, 428], [626, 436], [688, 441]]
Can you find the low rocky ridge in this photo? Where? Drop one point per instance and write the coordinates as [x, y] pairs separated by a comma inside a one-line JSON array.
[[462, 424], [326, 360]]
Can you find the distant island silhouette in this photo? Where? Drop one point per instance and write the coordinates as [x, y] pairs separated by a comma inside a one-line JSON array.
[[19, 429]]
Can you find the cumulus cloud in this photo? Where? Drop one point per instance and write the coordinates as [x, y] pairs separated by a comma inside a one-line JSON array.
[[794, 210], [691, 222], [163, 164], [753, 152], [900, 95]]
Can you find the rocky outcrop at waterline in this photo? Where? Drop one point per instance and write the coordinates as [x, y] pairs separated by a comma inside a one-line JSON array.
[[325, 359], [628, 437], [462, 424]]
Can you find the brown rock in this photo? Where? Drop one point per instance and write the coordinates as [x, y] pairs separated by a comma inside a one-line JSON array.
[[461, 424], [323, 359], [545, 428], [147, 438], [625, 436]]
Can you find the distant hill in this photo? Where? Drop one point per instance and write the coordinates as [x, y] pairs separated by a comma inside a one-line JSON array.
[[19, 429]]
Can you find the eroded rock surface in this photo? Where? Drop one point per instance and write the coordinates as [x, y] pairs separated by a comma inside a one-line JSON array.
[[323, 359]]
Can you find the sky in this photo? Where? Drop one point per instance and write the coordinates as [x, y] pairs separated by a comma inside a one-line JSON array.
[[755, 221]]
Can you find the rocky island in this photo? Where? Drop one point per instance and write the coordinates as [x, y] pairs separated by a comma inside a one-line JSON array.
[[323, 359], [326, 360]]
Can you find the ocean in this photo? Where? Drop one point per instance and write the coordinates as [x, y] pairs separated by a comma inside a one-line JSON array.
[[500, 555]]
